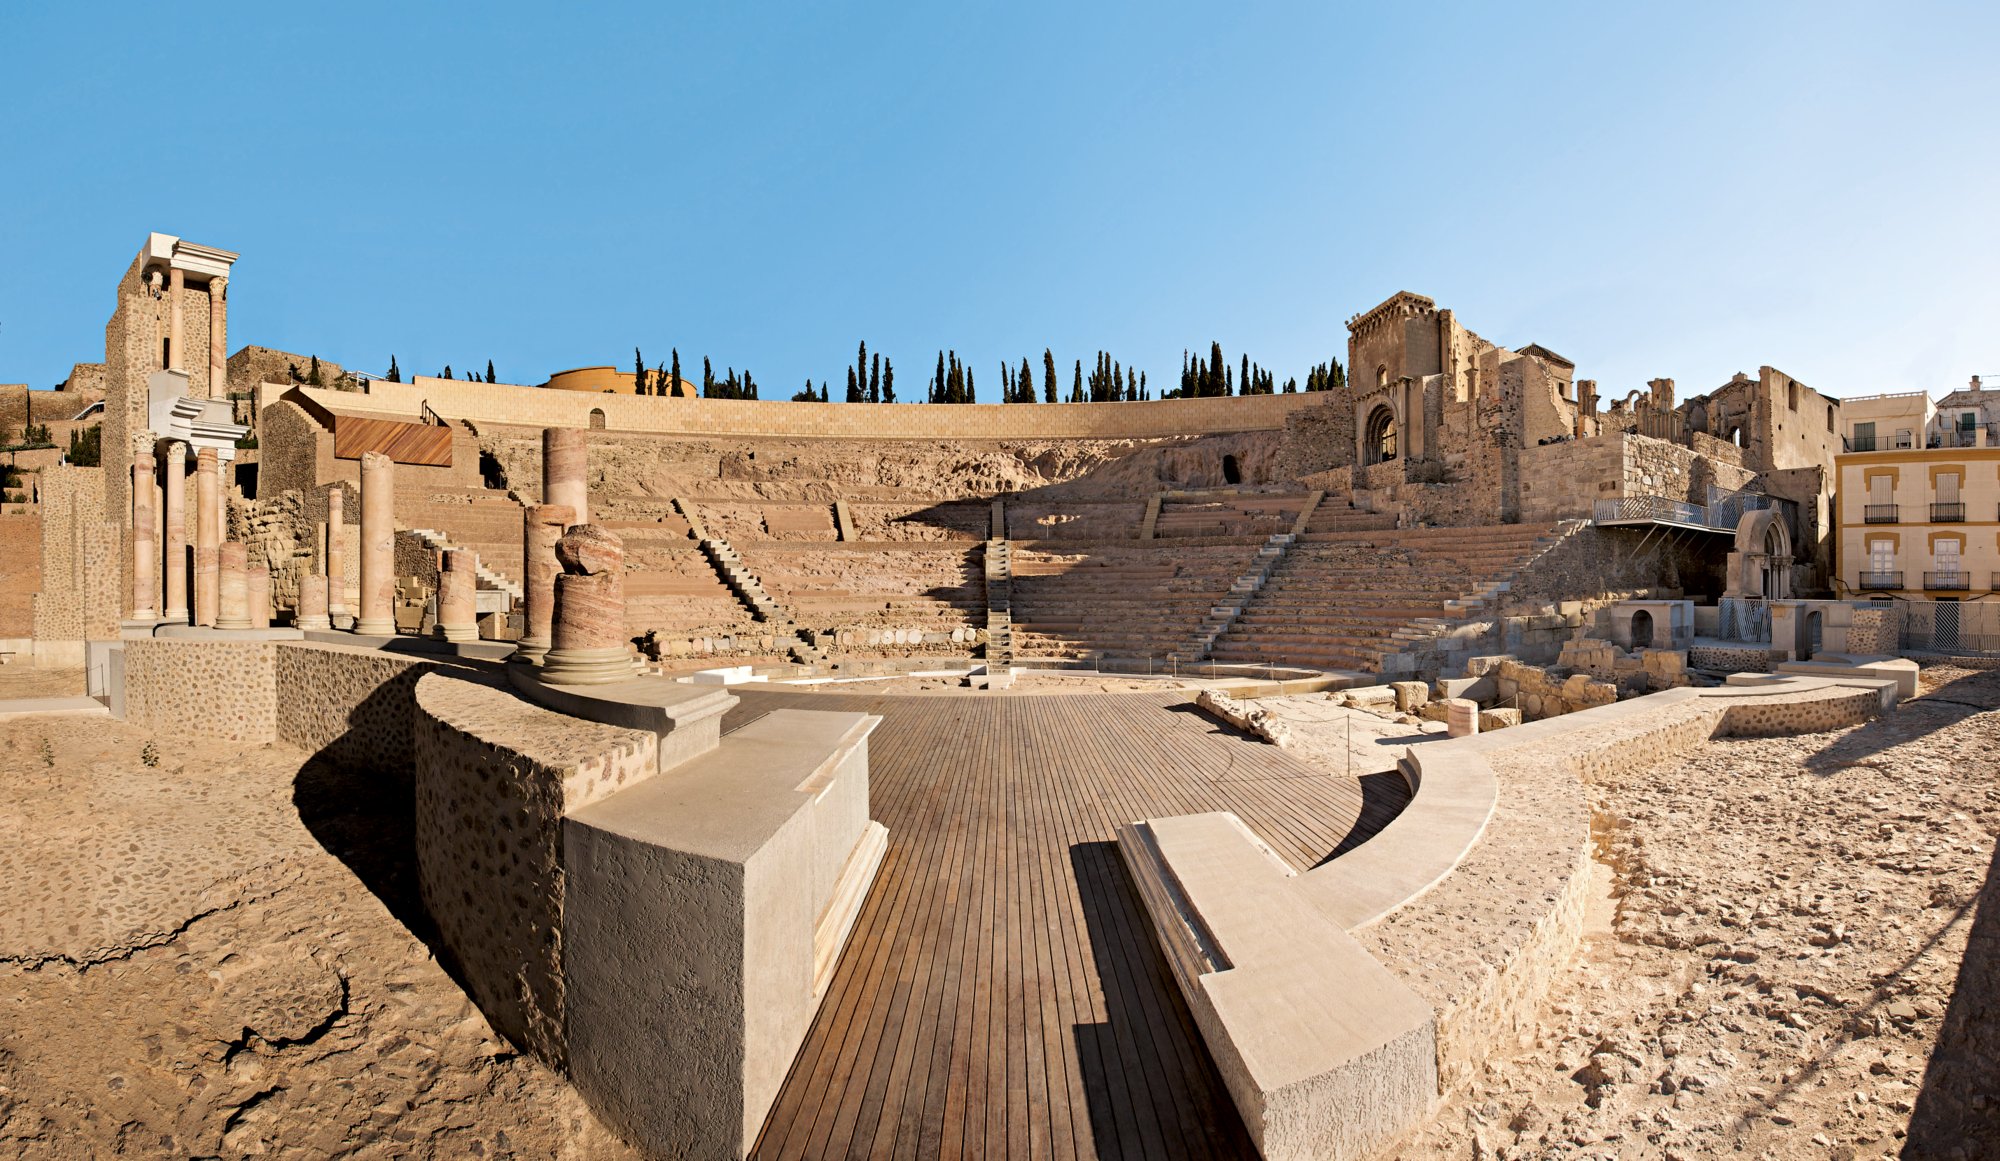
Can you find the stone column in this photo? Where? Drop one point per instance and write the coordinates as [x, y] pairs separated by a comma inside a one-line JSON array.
[[565, 470], [174, 534], [218, 339], [233, 587], [312, 604], [1461, 717], [378, 546], [258, 577], [336, 553], [587, 644], [458, 579], [146, 560], [207, 535], [542, 526], [176, 350]]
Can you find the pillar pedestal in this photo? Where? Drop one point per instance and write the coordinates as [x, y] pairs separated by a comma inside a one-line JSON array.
[[312, 604], [542, 526], [234, 588]]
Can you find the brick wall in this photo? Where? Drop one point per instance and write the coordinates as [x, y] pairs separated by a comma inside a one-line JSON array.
[[20, 574]]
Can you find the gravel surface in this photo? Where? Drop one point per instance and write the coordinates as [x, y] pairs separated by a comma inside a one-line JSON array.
[[1794, 952], [215, 950]]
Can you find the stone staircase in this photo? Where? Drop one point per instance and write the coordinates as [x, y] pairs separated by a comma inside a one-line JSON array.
[[999, 603], [748, 589], [1224, 613], [1346, 600], [488, 579]]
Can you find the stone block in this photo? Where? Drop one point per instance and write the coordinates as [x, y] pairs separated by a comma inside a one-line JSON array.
[[1481, 666], [1498, 719], [1410, 695]]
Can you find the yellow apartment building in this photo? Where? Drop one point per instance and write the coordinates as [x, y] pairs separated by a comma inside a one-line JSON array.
[[1919, 496]]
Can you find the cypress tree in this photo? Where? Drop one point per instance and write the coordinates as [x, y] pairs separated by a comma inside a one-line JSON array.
[[447, 371], [707, 379], [313, 376], [853, 388], [489, 371], [1076, 388], [875, 380], [1245, 378], [888, 382], [1027, 381], [971, 393], [1048, 376], [861, 370], [638, 371], [674, 375], [395, 372], [937, 384]]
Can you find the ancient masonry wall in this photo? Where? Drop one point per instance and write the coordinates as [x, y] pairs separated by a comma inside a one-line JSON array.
[[534, 407], [79, 598], [494, 777], [214, 689], [20, 574], [1566, 479], [1874, 631], [351, 706]]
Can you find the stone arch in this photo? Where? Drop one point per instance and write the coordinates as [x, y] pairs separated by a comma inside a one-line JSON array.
[[1379, 436], [1642, 630], [597, 418]]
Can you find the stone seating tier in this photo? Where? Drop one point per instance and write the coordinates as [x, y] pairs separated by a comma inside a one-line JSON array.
[[883, 584], [1346, 600], [1136, 599], [484, 520]]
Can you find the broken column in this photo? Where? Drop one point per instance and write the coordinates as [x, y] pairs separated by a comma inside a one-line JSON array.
[[336, 553], [146, 560], [458, 580], [312, 604], [378, 546], [207, 535], [233, 591], [565, 469], [542, 526], [173, 534], [1461, 717], [587, 642], [258, 583]]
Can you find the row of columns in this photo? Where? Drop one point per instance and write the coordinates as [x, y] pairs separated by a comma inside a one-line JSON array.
[[573, 571]]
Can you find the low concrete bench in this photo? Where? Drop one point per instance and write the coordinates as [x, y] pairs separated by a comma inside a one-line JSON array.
[[1327, 1052]]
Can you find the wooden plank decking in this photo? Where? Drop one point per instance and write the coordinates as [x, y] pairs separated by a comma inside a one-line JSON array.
[[1002, 994]]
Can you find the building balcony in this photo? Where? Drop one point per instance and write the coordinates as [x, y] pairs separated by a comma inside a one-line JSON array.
[[1948, 581], [1948, 513], [1881, 580], [1858, 443], [1879, 513]]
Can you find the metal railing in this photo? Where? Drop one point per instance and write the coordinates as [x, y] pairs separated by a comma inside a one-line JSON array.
[[1953, 513], [1879, 514], [1881, 580], [1650, 508], [1858, 443], [1948, 581]]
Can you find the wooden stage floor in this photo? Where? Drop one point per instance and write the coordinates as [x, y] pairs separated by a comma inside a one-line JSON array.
[[1002, 995]]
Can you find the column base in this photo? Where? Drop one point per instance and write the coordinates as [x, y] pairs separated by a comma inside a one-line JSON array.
[[143, 615], [179, 616], [385, 627], [586, 666], [458, 633], [304, 623], [532, 649], [232, 623]]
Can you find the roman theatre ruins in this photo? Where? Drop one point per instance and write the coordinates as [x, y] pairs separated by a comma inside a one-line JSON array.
[[723, 778]]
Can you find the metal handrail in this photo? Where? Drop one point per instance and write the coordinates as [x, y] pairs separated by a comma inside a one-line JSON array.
[[1879, 514], [1948, 581], [1881, 580], [1952, 513]]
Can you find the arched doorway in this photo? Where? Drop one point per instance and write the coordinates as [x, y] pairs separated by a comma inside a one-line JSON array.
[[1231, 473], [1642, 630], [597, 418], [1815, 626], [1378, 444]]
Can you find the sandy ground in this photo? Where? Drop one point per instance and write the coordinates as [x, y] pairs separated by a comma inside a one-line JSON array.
[[40, 681], [1796, 954], [212, 950]]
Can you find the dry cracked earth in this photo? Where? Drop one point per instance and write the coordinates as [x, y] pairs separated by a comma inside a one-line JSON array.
[[215, 951], [1796, 955]]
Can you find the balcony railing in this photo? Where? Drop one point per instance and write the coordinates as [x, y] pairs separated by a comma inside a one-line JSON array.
[[1879, 514], [1881, 580], [1947, 580], [1947, 513], [1856, 443]]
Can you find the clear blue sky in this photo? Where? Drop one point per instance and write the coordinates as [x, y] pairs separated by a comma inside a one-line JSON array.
[[1683, 190]]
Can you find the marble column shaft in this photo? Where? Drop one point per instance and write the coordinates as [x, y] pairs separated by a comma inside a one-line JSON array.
[[145, 551], [218, 339], [336, 552], [176, 349], [312, 604], [458, 579], [542, 526], [565, 471], [233, 587], [174, 533], [207, 535], [378, 546], [258, 577]]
